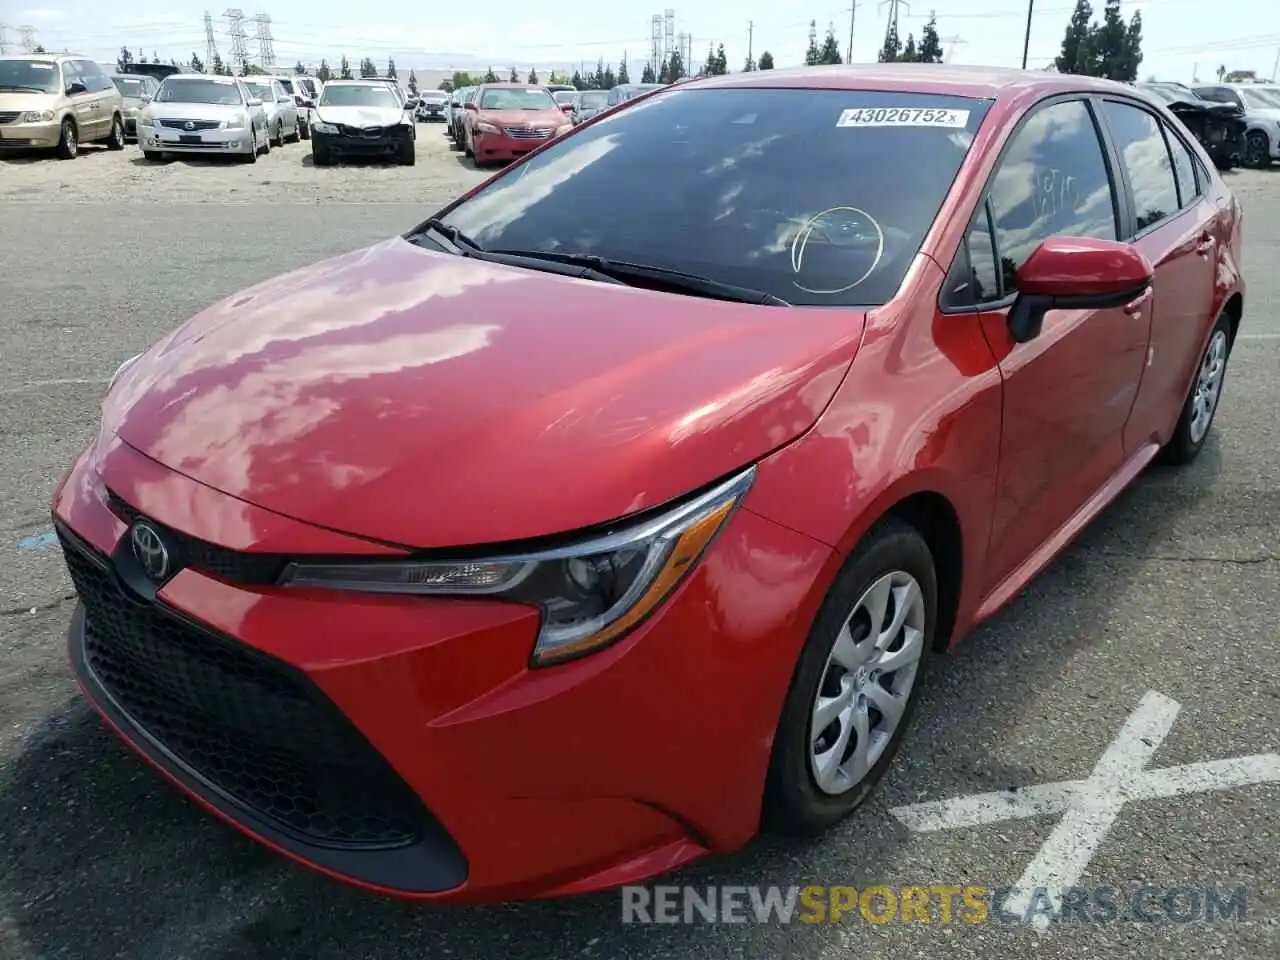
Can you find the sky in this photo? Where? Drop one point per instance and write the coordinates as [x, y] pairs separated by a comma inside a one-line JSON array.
[[1180, 39]]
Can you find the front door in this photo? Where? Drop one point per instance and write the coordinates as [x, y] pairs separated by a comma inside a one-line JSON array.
[[1069, 391]]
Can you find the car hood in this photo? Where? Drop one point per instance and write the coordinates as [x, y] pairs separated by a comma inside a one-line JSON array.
[[523, 118], [430, 400], [26, 100], [195, 111], [361, 116], [1263, 114]]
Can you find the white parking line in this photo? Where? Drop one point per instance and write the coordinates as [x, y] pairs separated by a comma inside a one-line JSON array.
[[1089, 807], [1258, 336]]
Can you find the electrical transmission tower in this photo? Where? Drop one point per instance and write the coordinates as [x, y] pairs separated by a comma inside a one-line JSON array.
[[239, 45], [266, 52], [952, 42], [210, 44], [28, 39], [4, 38], [655, 43], [668, 31]]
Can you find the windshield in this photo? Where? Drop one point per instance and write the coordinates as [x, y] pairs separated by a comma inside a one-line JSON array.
[[307, 87], [39, 76], [514, 98], [564, 96], [193, 90], [836, 226], [287, 84], [435, 96], [363, 95], [262, 91], [593, 99], [130, 86], [1264, 99]]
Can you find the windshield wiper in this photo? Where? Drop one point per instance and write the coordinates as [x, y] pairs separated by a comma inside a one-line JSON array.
[[22, 86], [464, 246], [687, 282]]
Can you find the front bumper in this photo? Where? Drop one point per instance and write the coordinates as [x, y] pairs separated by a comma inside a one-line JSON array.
[[262, 702], [389, 141], [26, 136], [504, 146], [166, 140]]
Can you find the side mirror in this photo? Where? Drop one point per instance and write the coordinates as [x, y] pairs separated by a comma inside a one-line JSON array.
[[255, 102], [411, 104], [470, 106], [567, 107], [1076, 273], [74, 87]]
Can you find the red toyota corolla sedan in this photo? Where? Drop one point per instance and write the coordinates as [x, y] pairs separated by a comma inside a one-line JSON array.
[[589, 528], [505, 121]]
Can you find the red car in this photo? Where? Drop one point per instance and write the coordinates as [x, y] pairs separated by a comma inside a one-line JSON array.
[[505, 121], [588, 528]]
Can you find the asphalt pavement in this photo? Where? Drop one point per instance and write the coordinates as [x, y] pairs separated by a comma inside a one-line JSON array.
[[1163, 615]]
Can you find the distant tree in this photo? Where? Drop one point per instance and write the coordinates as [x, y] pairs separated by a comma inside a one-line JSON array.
[[664, 71], [391, 69], [608, 79], [748, 65], [624, 75], [561, 78], [344, 68], [579, 82], [490, 76], [462, 79], [217, 66], [1132, 58], [597, 78], [125, 60], [909, 52], [930, 49], [40, 49], [299, 68], [323, 73], [766, 61], [533, 77], [1110, 44], [892, 49], [197, 65], [413, 83], [514, 77], [647, 75], [830, 52], [1076, 56], [676, 67], [812, 55], [155, 57], [446, 85], [367, 70]]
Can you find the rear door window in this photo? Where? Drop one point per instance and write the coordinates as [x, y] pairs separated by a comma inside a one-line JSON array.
[[1146, 160]]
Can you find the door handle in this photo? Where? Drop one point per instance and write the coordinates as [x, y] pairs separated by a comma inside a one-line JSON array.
[[1134, 306], [1204, 246]]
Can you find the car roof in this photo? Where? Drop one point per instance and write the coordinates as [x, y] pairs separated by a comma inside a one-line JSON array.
[[979, 82], [216, 77], [508, 85], [133, 76], [42, 56]]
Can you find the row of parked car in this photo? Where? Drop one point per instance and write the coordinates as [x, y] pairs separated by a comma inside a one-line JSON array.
[[497, 122], [1237, 123]]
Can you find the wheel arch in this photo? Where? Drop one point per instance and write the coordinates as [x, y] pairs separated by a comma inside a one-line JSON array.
[[1234, 309], [934, 517]]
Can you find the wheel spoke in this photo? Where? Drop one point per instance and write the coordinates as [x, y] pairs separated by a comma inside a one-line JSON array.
[[827, 764], [905, 600], [848, 654], [857, 765], [829, 709], [890, 704], [907, 654]]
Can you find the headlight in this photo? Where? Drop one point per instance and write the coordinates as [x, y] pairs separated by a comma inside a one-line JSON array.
[[484, 127], [236, 122], [591, 594], [320, 127], [121, 369], [36, 116], [144, 120]]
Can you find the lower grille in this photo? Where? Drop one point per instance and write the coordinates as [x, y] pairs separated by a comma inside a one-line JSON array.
[[253, 729], [195, 124], [8, 116]]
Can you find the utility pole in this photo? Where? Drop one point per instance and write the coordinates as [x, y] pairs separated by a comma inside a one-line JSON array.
[[28, 39], [1026, 40], [853, 9], [1275, 68]]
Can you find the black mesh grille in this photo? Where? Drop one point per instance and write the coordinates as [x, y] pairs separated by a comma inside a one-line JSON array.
[[256, 730], [230, 565]]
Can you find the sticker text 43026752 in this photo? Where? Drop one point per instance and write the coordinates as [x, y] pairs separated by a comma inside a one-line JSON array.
[[903, 117]]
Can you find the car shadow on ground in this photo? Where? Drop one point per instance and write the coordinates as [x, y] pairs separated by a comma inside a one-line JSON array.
[[98, 854], [388, 162], [20, 157], [192, 160]]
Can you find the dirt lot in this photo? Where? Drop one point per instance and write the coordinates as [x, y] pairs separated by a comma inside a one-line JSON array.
[[286, 174]]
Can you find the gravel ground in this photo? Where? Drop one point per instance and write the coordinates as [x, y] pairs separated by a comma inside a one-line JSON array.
[[1176, 589], [286, 174]]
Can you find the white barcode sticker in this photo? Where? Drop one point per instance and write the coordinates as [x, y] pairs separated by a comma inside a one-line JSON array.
[[903, 117]]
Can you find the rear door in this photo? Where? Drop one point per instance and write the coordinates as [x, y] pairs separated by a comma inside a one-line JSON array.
[[83, 101], [1172, 221], [104, 97], [1069, 391]]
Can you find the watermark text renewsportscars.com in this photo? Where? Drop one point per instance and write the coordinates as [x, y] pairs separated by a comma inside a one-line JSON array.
[[932, 904]]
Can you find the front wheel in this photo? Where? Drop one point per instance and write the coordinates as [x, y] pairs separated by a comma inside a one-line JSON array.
[[68, 141], [252, 156], [305, 131], [1257, 150], [1202, 400], [320, 155], [855, 684], [297, 132], [278, 139], [408, 154]]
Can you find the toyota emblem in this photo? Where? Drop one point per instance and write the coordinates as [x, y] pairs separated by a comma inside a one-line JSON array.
[[188, 125], [149, 550]]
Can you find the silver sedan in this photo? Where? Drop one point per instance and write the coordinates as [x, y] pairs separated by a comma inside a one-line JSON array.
[[282, 112], [195, 113]]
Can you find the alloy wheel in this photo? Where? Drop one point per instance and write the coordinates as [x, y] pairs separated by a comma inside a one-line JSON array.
[[1257, 150], [1208, 388], [70, 139], [867, 682]]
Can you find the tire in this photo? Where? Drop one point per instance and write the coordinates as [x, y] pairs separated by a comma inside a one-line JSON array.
[[304, 131], [1257, 150], [252, 156], [278, 139], [466, 147], [892, 556], [407, 155], [1196, 421], [297, 132], [320, 155], [153, 156], [265, 145], [115, 140], [68, 141]]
